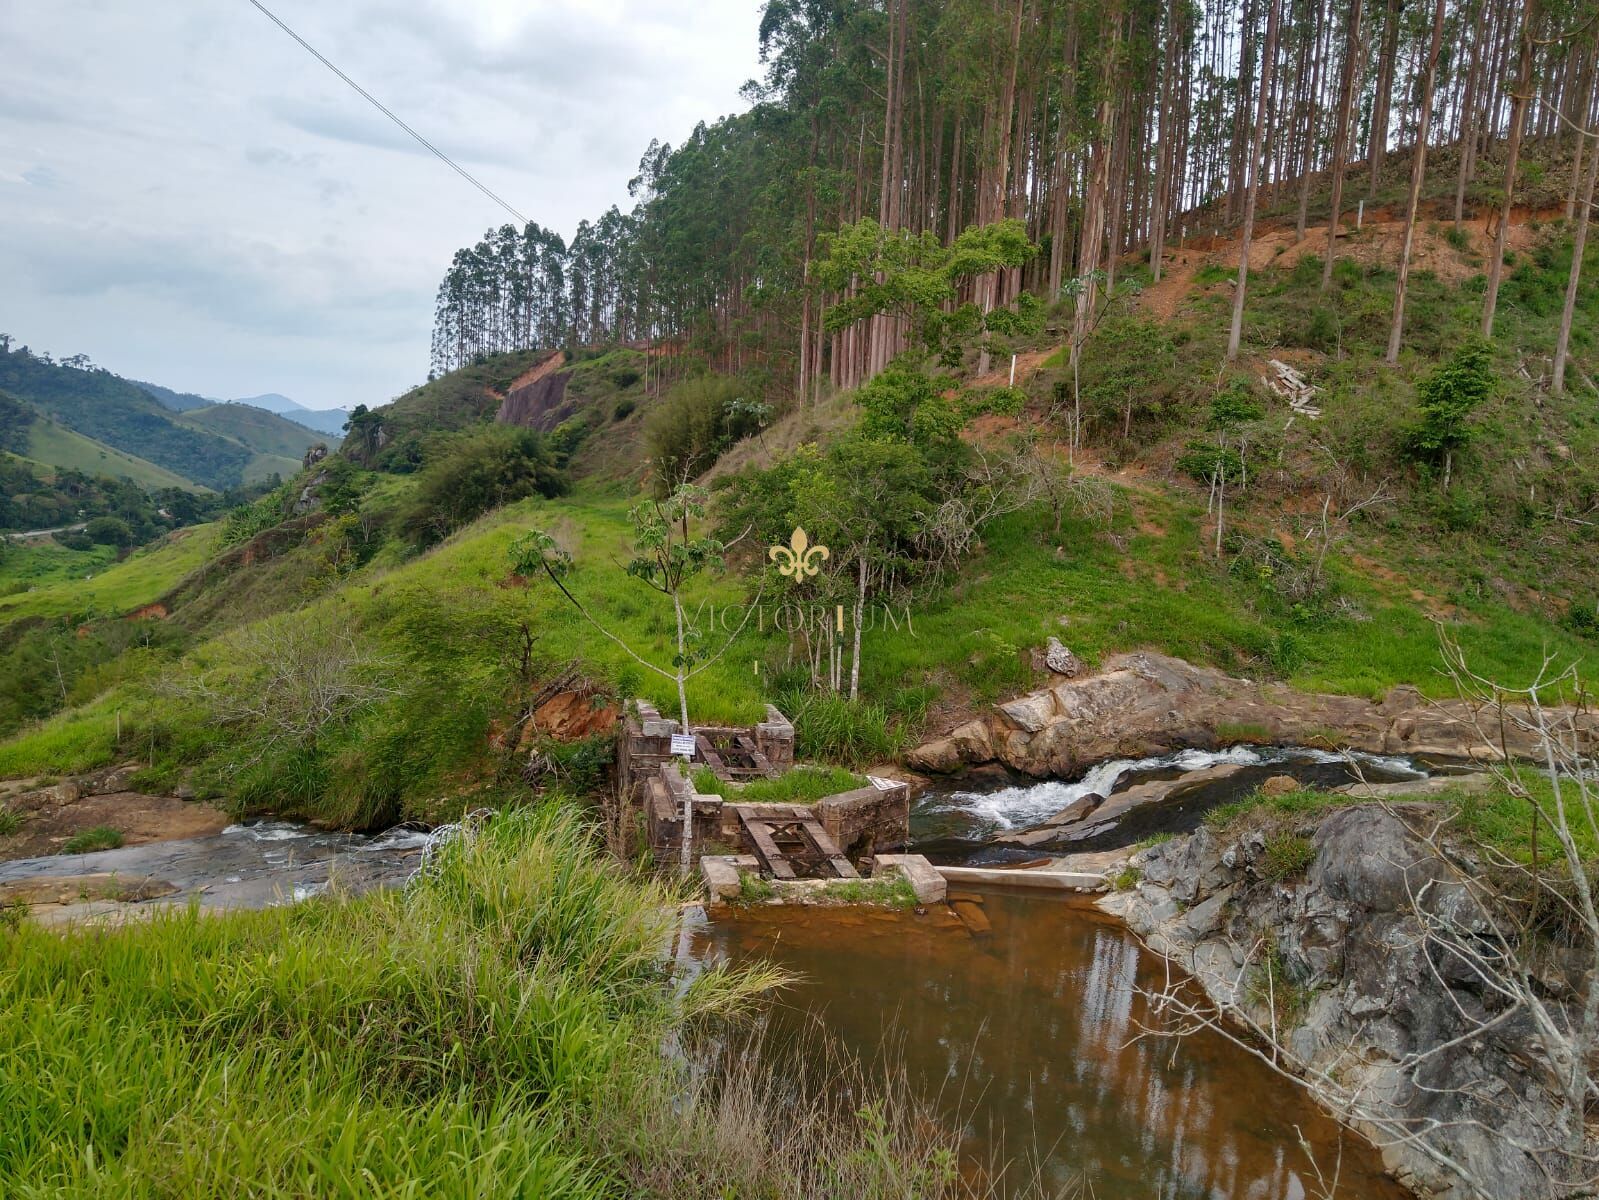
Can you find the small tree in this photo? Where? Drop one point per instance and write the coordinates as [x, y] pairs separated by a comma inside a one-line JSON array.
[[915, 277], [1449, 396], [666, 556]]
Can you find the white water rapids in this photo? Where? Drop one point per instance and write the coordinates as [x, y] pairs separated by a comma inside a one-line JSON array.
[[1022, 805]]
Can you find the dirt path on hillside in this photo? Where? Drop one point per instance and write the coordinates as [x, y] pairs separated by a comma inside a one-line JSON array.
[[1378, 241]]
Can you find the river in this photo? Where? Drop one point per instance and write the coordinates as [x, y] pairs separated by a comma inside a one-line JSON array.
[[1028, 1037]]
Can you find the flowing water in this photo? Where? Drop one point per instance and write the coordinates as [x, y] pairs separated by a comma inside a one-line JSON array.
[[954, 823], [1029, 1038], [246, 866]]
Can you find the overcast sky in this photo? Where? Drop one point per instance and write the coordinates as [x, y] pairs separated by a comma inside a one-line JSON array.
[[190, 198]]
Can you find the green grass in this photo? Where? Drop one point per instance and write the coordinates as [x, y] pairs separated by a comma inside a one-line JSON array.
[[37, 565], [1493, 819], [890, 891], [498, 1029], [754, 889], [10, 821], [101, 837], [55, 445], [1286, 855], [804, 784], [115, 587]]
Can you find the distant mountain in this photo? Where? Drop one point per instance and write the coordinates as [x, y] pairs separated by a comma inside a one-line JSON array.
[[328, 421], [176, 401], [274, 402], [123, 427]]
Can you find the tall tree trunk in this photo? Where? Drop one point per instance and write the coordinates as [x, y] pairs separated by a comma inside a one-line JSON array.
[[1468, 113], [1377, 141], [1256, 164], [1418, 171], [1340, 152], [1518, 113], [1579, 246]]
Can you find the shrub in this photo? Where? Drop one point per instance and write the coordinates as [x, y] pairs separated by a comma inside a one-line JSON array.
[[698, 420], [1448, 396], [109, 531], [10, 821], [1202, 460], [624, 408], [1323, 330], [477, 472]]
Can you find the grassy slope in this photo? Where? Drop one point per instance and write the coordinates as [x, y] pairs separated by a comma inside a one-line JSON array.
[[1476, 559], [54, 445], [46, 565], [113, 587], [262, 467], [261, 431]]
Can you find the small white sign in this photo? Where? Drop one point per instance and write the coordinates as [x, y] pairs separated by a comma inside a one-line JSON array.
[[883, 785], [683, 743]]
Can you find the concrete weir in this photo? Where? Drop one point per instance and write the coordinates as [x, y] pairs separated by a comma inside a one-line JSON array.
[[1023, 880]]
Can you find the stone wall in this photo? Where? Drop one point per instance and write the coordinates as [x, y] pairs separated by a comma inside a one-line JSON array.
[[869, 820]]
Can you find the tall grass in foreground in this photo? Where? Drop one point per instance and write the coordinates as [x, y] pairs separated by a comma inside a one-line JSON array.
[[502, 1028]]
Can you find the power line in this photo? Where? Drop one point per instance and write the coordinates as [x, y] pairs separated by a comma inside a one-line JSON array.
[[372, 100]]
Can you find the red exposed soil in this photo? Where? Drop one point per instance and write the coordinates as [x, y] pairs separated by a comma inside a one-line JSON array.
[[535, 399]]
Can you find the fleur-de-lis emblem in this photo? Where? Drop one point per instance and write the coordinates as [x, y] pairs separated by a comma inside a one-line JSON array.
[[799, 558]]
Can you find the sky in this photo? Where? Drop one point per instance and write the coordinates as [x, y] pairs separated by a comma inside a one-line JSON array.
[[190, 198]]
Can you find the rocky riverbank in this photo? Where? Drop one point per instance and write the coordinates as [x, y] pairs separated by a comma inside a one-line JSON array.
[[1323, 936], [1145, 704]]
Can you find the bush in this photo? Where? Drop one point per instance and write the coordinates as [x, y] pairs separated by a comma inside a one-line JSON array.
[[109, 531], [1202, 460], [699, 419], [1449, 396], [475, 473], [833, 729]]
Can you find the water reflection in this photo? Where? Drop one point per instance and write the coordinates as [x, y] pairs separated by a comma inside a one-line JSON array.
[[1031, 1034]]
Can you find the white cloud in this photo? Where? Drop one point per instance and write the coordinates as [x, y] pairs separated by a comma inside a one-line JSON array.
[[190, 198]]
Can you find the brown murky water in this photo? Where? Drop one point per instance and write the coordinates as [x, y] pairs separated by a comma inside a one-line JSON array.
[[1029, 1035]]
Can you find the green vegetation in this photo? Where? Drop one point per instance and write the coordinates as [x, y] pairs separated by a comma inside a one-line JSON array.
[[10, 820], [473, 473], [111, 410], [698, 420], [113, 588], [1286, 856], [1126, 879], [33, 498], [264, 432], [51, 444], [101, 837], [804, 784], [754, 888], [890, 891], [497, 1028]]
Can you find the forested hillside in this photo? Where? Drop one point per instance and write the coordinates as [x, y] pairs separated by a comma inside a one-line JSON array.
[[216, 446], [1106, 129]]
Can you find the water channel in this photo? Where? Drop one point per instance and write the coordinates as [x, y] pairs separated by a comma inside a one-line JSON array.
[[1028, 1037]]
